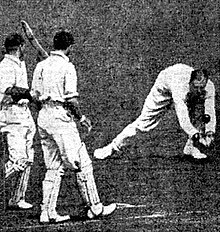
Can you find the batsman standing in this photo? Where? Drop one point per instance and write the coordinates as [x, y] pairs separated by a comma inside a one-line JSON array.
[[55, 84], [186, 88], [16, 119]]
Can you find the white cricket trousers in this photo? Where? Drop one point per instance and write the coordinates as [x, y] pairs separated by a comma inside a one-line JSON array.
[[62, 145], [20, 129], [155, 106], [147, 121], [60, 138]]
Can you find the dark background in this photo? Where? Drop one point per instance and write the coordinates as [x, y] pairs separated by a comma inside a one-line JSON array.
[[120, 48]]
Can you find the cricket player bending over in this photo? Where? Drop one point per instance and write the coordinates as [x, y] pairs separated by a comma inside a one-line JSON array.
[[15, 117], [186, 88], [55, 84]]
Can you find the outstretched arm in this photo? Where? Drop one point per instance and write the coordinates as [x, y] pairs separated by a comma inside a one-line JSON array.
[[210, 107], [183, 117]]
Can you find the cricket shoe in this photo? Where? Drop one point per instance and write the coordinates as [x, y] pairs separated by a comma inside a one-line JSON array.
[[189, 149], [55, 218], [104, 211], [22, 204], [102, 153]]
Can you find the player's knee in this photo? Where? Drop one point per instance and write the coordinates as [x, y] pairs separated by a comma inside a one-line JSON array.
[[87, 169], [51, 174], [77, 159], [133, 127], [85, 173], [17, 165], [84, 158]]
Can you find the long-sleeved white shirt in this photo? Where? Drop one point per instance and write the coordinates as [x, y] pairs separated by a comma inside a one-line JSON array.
[[12, 73], [172, 86], [55, 78]]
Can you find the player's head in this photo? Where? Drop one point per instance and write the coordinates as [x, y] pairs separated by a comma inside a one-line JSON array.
[[62, 40], [199, 78], [13, 43]]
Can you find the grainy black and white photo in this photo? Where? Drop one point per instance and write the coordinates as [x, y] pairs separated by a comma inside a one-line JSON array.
[[109, 115]]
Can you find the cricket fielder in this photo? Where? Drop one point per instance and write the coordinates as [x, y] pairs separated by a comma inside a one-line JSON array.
[[55, 84], [15, 117], [186, 88]]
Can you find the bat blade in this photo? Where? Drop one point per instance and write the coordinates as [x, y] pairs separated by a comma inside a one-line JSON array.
[[33, 40]]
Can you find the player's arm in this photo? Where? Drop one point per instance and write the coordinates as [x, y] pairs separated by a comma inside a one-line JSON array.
[[199, 140], [183, 117], [18, 93], [72, 105], [37, 82], [7, 78], [210, 110], [71, 97], [210, 107], [37, 87], [12, 93], [179, 89], [7, 81]]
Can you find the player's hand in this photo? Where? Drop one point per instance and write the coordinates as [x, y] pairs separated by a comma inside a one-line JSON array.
[[210, 136], [203, 141], [23, 101], [75, 166], [7, 100], [199, 141], [84, 121], [21, 164]]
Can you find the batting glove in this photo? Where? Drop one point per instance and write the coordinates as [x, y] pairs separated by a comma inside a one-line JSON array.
[[199, 141], [210, 136], [23, 102], [73, 166], [84, 121]]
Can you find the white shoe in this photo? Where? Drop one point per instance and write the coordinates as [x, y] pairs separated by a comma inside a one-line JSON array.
[[102, 153], [59, 218], [109, 209], [106, 210], [189, 149], [56, 218], [197, 154], [44, 218], [22, 204]]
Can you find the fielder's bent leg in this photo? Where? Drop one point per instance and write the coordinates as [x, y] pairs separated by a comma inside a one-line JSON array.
[[87, 187], [148, 120], [51, 187], [120, 141]]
